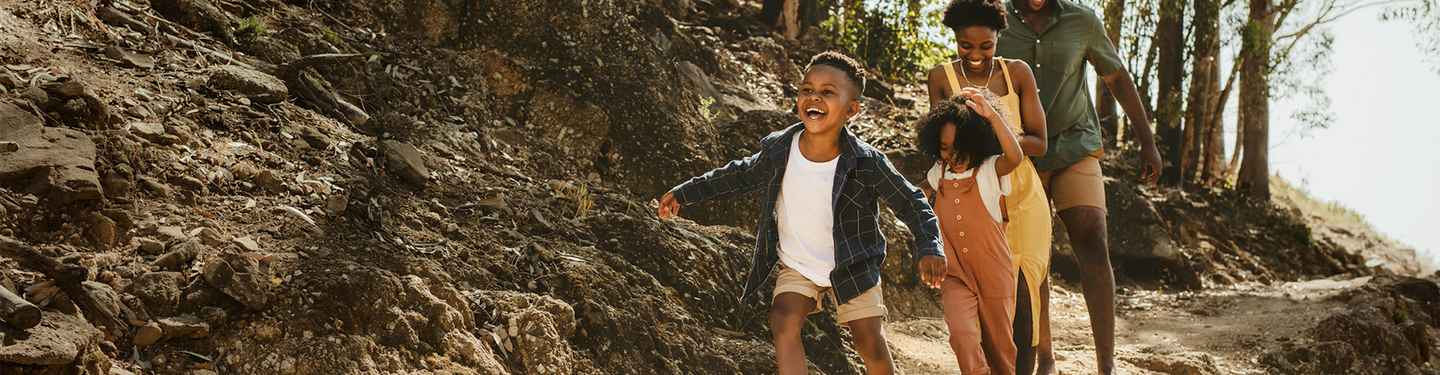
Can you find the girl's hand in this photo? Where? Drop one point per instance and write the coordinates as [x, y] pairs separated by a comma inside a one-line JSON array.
[[668, 206], [977, 102]]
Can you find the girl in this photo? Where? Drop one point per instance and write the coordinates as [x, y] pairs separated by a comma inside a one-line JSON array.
[[977, 25], [976, 153]]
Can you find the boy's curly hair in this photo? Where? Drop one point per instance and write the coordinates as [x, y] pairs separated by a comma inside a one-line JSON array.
[[852, 68], [974, 137], [966, 13]]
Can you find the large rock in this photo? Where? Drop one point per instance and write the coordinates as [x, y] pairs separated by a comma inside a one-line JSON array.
[[160, 291], [239, 277], [56, 162], [59, 339], [257, 86], [407, 162]]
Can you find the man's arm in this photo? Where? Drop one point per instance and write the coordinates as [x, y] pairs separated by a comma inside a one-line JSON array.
[[1123, 87]]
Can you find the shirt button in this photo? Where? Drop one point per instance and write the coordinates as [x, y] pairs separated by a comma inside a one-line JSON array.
[[1037, 41], [1037, 65], [957, 200]]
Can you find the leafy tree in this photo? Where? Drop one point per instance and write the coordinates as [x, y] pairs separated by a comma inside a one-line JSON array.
[[896, 38], [1425, 15]]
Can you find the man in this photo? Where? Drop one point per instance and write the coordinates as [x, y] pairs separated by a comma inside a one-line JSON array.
[[1058, 38]]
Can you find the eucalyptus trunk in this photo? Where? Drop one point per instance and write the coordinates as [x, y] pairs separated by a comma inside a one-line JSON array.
[[1104, 100], [1258, 33], [1170, 78], [1199, 153]]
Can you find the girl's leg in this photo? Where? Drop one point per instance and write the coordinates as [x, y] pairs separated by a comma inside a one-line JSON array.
[[787, 315], [963, 320], [870, 343], [1046, 356], [1024, 353]]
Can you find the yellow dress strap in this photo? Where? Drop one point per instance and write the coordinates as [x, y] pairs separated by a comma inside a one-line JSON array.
[[954, 84], [1008, 88]]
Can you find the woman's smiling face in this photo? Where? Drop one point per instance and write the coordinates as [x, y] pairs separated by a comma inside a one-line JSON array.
[[975, 45]]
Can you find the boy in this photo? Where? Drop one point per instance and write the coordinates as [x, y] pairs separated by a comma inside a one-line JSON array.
[[819, 217]]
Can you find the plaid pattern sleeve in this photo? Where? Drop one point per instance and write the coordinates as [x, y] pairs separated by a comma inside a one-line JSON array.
[[735, 179], [910, 205]]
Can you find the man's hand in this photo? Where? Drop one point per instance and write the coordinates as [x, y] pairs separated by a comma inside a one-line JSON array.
[[1151, 161], [669, 207], [932, 270]]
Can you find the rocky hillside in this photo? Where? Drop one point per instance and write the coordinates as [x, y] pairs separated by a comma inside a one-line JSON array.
[[317, 187]]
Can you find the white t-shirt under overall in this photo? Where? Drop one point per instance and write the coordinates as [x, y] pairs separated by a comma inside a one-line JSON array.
[[991, 188], [805, 216]]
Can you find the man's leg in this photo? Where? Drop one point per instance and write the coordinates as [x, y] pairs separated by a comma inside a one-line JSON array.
[[870, 343], [1086, 226], [787, 315]]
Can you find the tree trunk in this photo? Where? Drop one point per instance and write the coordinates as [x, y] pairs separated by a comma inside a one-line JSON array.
[[1104, 100], [1255, 100], [1170, 77], [1204, 91]]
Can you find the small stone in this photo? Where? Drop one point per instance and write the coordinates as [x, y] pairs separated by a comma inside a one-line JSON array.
[[9, 81], [336, 204], [171, 234], [139, 111], [247, 244], [36, 96], [184, 326], [238, 276], [102, 229], [159, 188], [269, 180], [257, 86], [69, 89], [158, 360], [133, 60], [407, 162], [149, 334], [210, 237], [150, 246]]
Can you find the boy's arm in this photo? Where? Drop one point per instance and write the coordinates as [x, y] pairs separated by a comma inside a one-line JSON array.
[[737, 178], [909, 204]]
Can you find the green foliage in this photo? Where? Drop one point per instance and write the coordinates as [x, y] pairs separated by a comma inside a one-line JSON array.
[[711, 114], [251, 25], [1400, 314], [579, 194], [895, 38], [1425, 16], [332, 37]]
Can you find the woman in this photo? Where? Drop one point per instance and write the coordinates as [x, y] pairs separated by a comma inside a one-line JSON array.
[[977, 25]]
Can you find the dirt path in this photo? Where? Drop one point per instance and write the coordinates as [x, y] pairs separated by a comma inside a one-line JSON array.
[[1158, 332]]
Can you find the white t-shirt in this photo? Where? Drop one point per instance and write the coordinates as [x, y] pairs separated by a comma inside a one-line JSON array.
[[991, 188], [806, 216]]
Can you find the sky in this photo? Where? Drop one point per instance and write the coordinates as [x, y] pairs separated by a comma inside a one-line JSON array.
[[1373, 158]]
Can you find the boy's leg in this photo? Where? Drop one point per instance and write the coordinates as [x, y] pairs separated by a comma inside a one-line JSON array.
[[863, 315], [787, 316], [870, 343], [1024, 353], [962, 319]]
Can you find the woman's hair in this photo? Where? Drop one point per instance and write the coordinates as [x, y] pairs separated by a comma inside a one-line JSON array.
[[966, 13], [974, 137]]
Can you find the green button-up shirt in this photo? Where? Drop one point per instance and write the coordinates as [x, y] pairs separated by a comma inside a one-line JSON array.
[[1072, 37]]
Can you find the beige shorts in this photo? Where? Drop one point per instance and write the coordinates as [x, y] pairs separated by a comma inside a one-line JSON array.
[[870, 303], [1075, 185]]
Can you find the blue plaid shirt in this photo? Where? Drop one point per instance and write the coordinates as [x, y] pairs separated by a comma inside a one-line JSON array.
[[862, 177]]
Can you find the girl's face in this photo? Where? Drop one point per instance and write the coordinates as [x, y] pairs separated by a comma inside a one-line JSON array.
[[976, 44], [947, 149]]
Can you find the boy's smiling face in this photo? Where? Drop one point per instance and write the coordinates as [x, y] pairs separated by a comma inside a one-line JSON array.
[[826, 100]]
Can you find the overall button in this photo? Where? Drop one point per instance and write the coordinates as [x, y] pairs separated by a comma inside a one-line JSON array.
[[957, 200], [957, 217], [957, 184], [962, 234], [964, 249]]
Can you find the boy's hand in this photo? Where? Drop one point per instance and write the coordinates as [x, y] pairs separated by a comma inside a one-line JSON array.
[[668, 206], [932, 270], [977, 101]]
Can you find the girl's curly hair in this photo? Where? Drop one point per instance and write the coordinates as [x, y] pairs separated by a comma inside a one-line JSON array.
[[974, 137]]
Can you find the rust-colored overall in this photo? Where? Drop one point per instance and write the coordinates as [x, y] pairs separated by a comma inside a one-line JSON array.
[[979, 287]]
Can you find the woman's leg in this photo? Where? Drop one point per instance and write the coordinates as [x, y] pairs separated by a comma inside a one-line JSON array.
[[1045, 360], [1024, 353]]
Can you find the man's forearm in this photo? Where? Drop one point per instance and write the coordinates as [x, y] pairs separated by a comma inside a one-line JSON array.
[[1129, 98]]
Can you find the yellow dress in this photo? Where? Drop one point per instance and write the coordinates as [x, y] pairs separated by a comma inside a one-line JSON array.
[[1029, 231]]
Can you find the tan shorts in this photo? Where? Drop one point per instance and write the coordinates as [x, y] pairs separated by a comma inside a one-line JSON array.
[[870, 303], [1075, 185]]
